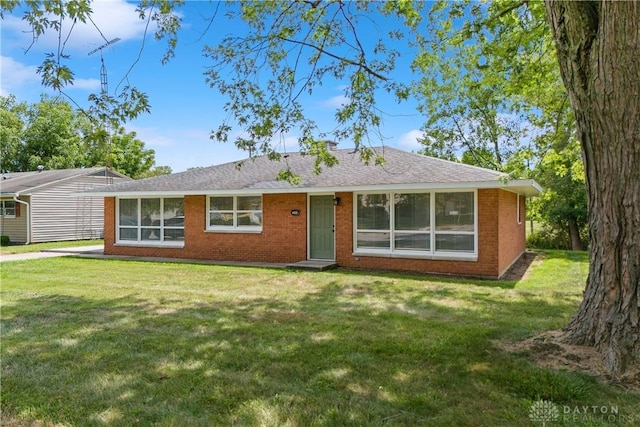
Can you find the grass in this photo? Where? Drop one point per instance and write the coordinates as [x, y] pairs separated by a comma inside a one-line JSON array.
[[122, 343], [37, 247]]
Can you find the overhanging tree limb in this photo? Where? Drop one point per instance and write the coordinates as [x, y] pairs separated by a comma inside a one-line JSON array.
[[361, 65]]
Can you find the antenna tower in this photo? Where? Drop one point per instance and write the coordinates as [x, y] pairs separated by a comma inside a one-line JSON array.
[[104, 90]]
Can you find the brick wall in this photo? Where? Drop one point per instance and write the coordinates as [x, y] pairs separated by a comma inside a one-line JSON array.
[[284, 237], [512, 235], [109, 224], [500, 240]]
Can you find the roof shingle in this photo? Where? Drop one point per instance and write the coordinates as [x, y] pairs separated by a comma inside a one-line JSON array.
[[400, 168], [24, 182]]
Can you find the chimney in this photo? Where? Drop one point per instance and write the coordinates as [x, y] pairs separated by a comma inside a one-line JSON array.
[[331, 145]]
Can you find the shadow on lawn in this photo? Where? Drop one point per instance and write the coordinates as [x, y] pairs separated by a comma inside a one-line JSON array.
[[509, 280], [431, 277], [344, 355]]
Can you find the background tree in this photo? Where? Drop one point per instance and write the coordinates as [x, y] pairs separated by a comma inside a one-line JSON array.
[[479, 64], [11, 126], [156, 171], [52, 134], [563, 203], [129, 154], [492, 96], [121, 150]]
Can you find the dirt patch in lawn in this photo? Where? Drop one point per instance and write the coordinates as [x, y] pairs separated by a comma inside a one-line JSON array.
[[549, 350]]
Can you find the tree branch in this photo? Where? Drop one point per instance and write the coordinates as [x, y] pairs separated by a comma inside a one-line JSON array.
[[339, 58]]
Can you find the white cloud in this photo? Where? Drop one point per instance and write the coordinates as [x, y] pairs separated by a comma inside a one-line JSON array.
[[183, 148], [409, 140], [151, 137], [88, 84], [15, 75], [199, 134], [113, 18], [335, 102]]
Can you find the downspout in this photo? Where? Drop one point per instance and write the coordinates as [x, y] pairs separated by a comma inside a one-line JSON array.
[[22, 202]]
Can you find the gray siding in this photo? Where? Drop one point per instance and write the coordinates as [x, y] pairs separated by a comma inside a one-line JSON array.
[[57, 213], [15, 228]]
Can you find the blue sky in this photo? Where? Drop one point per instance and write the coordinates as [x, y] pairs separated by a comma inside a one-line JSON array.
[[184, 109]]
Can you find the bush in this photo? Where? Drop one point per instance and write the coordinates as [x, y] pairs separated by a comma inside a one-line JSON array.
[[549, 238], [5, 241]]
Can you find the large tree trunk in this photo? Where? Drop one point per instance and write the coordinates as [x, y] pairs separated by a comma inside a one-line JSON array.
[[598, 45]]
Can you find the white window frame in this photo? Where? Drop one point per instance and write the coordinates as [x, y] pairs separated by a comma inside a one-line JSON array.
[[421, 232], [3, 209], [432, 253], [518, 219], [139, 227], [235, 228], [458, 233], [356, 230]]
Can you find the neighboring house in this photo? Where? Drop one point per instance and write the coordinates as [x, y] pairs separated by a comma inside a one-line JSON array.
[[41, 206], [412, 213]]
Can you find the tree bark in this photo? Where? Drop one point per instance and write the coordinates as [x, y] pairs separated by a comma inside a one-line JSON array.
[[574, 235], [598, 45]]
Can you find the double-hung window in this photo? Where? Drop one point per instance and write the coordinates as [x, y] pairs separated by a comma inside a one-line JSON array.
[[235, 213], [151, 221], [8, 208], [406, 224]]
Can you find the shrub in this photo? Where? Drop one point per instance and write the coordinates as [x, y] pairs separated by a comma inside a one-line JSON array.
[[5, 241], [549, 238]]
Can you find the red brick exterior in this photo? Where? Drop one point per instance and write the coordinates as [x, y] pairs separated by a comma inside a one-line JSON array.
[[512, 236], [283, 238], [501, 240]]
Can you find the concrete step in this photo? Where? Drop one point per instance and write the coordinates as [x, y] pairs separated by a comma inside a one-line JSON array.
[[316, 265]]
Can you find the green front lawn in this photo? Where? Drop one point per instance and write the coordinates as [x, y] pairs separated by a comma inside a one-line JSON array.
[[37, 247], [120, 343]]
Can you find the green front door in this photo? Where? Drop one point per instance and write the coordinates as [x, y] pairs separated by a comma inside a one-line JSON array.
[[321, 227]]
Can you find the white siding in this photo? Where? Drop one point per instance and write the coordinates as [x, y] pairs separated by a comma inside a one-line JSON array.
[[57, 214], [15, 228]]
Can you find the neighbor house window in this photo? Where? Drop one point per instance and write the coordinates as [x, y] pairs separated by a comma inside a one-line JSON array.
[[235, 213], [416, 223], [151, 220], [8, 208]]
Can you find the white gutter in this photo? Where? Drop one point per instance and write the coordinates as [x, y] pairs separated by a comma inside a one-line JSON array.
[[22, 202], [527, 187]]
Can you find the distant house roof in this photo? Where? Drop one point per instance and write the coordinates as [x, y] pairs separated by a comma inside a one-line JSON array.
[[19, 183], [401, 170]]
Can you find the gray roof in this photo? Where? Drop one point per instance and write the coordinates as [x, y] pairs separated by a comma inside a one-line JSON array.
[[16, 183], [259, 175]]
